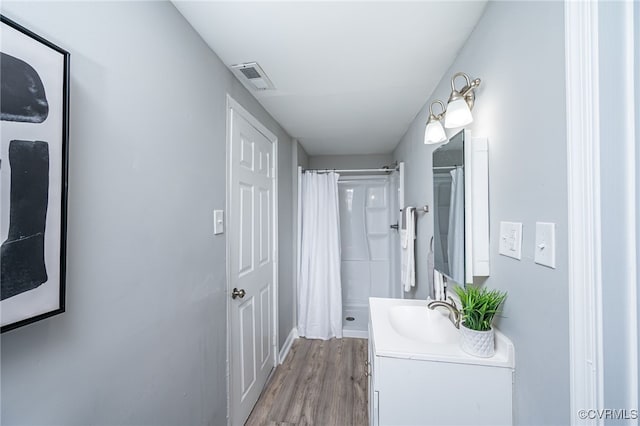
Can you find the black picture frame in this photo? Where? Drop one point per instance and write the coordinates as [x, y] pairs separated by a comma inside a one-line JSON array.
[[34, 158]]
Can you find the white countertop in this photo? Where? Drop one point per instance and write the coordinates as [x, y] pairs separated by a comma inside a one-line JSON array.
[[389, 343]]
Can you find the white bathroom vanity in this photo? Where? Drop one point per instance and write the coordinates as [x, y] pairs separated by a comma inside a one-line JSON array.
[[418, 375]]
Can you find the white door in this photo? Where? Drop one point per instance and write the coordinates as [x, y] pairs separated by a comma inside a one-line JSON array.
[[251, 263]]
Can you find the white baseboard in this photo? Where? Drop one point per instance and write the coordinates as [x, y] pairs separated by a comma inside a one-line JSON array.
[[293, 335]]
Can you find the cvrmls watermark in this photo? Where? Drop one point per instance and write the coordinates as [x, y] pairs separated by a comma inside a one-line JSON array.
[[608, 414]]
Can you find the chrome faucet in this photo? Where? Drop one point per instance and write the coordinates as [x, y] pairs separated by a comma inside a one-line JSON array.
[[453, 309]]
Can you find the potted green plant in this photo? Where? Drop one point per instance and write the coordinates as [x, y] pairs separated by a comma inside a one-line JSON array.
[[479, 306]]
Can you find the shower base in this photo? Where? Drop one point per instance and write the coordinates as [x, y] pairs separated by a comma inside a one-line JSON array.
[[355, 321]]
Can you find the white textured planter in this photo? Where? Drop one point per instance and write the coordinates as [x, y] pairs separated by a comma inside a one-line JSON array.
[[478, 343]]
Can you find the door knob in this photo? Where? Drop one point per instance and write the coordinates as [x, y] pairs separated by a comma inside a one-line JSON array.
[[238, 293]]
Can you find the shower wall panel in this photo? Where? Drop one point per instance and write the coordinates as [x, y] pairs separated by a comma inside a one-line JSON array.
[[365, 239]]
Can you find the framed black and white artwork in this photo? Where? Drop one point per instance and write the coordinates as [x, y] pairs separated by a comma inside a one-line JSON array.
[[34, 114]]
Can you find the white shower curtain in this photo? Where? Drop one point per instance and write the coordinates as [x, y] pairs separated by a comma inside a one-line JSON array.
[[319, 286], [455, 237]]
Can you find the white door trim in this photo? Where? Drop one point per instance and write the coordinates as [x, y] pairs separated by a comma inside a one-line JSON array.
[[583, 181], [233, 105], [631, 56]]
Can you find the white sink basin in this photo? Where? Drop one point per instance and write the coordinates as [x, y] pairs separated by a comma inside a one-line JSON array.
[[405, 328], [423, 324]]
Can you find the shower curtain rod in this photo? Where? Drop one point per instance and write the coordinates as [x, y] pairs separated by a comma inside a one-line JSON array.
[[350, 170]]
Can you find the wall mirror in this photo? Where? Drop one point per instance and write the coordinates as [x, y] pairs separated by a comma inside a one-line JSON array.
[[461, 208]]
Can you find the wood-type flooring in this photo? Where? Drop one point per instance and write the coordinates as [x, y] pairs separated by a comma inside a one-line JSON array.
[[322, 382]]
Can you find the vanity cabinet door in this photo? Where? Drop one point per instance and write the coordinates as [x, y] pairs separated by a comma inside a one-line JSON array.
[[414, 392]]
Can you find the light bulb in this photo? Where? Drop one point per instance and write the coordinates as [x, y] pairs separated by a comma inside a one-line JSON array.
[[458, 114], [434, 133]]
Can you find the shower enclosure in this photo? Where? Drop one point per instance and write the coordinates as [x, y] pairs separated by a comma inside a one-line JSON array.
[[369, 213], [370, 247]]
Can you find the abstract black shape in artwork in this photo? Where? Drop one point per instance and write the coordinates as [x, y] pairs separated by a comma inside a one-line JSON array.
[[22, 254], [23, 97]]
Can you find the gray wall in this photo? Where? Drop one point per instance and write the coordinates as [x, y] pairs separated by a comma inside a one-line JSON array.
[[286, 251], [143, 340], [617, 175], [368, 161], [521, 109], [300, 158], [288, 235], [303, 157]]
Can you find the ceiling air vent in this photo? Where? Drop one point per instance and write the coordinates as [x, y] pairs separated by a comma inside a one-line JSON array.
[[252, 74]]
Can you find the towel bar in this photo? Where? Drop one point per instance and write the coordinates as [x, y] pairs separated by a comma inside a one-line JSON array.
[[423, 209]]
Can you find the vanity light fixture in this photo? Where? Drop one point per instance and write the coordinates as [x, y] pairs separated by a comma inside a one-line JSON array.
[[461, 102], [456, 114]]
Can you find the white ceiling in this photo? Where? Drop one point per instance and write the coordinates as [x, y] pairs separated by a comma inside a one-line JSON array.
[[349, 76]]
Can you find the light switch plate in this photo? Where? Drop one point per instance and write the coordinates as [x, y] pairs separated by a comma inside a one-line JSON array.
[[511, 239], [218, 222], [545, 250]]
